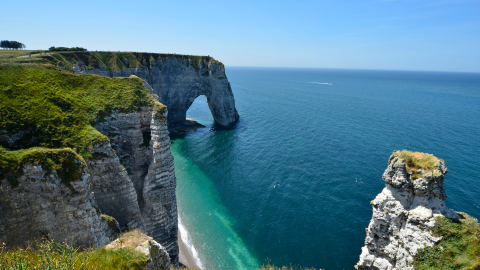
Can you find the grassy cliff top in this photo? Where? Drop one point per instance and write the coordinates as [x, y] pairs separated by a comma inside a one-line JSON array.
[[43, 106], [418, 160], [121, 60]]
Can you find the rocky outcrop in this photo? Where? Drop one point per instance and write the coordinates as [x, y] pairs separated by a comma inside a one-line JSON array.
[[403, 215], [158, 255], [42, 206], [159, 259], [177, 83], [113, 189]]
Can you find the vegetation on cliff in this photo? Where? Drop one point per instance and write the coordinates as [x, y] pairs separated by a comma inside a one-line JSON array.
[[52, 108], [458, 249], [66, 162], [417, 161], [52, 255], [121, 60], [44, 107]]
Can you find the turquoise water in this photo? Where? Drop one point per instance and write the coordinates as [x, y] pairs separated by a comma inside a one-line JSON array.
[[292, 181]]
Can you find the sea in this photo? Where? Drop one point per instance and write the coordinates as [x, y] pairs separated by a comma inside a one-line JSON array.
[[291, 183]]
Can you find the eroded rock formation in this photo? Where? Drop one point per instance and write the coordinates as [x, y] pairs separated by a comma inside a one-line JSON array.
[[177, 83], [41, 206], [403, 215], [137, 185]]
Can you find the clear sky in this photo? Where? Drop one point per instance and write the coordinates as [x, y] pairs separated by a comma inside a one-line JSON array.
[[437, 35]]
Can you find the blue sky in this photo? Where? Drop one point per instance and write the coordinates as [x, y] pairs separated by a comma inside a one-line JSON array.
[[441, 35]]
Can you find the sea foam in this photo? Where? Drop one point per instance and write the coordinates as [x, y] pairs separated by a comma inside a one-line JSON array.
[[188, 242]]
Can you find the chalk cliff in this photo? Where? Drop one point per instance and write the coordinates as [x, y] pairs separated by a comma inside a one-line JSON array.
[[177, 80], [40, 205], [404, 213], [91, 160], [137, 185]]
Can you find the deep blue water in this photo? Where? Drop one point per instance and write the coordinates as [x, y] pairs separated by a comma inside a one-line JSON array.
[[293, 180]]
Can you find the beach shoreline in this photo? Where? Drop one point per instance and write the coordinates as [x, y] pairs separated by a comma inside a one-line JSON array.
[[186, 256]]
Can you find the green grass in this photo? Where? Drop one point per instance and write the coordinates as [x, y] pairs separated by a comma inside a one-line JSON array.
[[50, 255], [459, 248], [416, 161], [14, 53], [19, 56], [57, 109], [116, 60]]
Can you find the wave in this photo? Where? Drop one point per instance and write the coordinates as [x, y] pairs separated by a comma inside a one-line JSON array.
[[320, 83], [188, 242]]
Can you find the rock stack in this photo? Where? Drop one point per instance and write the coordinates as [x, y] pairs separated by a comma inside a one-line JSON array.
[[404, 212]]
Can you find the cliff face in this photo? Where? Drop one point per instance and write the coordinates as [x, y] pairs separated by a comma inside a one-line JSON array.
[[41, 206], [404, 214], [177, 82], [137, 185]]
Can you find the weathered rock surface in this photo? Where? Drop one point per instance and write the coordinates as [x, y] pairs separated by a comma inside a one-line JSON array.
[[177, 83], [41, 206], [403, 214], [159, 259], [113, 189], [142, 193]]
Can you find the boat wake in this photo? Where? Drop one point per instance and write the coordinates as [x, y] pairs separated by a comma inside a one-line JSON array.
[[320, 83]]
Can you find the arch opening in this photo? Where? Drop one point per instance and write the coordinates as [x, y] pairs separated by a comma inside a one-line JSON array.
[[197, 115]]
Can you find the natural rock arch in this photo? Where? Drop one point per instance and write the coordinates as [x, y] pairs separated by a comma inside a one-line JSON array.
[[177, 83]]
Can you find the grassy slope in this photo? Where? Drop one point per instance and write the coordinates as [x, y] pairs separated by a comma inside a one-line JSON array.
[[120, 254], [459, 248], [51, 255], [57, 109], [14, 53]]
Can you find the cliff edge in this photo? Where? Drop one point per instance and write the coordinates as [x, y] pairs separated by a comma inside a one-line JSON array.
[[175, 80]]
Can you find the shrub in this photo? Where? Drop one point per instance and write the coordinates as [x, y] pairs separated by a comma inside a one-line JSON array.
[[458, 249]]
